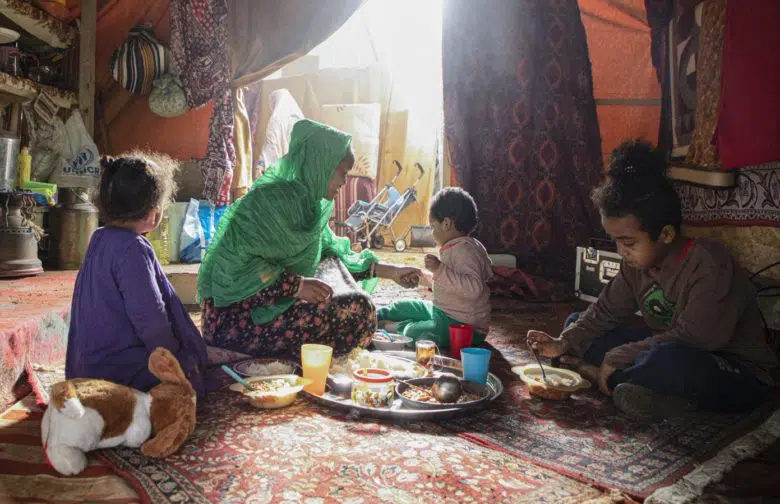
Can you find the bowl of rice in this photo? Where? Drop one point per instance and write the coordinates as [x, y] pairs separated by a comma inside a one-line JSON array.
[[265, 367], [389, 342]]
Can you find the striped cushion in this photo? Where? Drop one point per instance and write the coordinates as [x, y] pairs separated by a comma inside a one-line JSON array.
[[139, 61]]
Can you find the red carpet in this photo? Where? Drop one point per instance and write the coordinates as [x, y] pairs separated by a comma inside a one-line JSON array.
[[304, 454], [585, 437], [33, 326]]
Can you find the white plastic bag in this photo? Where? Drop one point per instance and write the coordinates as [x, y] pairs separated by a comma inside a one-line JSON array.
[[80, 166]]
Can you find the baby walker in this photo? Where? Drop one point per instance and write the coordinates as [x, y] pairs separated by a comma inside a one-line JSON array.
[[368, 219]]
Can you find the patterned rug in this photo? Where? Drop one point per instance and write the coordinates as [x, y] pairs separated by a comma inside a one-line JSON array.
[[25, 476], [34, 318], [238, 454], [585, 437]]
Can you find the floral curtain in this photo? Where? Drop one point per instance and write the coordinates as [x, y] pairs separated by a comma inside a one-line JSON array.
[[219, 46], [521, 127]]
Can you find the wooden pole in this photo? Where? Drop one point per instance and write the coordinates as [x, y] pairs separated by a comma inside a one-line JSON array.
[[87, 63]]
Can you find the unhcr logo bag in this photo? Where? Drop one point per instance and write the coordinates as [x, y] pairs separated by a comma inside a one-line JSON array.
[[80, 160]]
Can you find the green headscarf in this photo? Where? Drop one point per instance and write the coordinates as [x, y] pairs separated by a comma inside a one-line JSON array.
[[281, 224]]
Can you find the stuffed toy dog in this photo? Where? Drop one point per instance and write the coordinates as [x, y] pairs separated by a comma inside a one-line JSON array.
[[89, 414]]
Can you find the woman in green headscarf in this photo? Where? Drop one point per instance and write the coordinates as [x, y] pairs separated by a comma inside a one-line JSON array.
[[256, 284]]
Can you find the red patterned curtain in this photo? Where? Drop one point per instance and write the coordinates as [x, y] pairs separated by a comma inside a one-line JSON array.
[[521, 126]]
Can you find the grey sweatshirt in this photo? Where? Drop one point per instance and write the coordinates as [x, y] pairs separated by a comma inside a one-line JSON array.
[[702, 297]]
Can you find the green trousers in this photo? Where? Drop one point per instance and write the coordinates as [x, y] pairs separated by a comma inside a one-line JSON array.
[[420, 320]]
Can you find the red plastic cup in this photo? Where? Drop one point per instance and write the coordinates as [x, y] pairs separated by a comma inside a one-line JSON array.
[[461, 336]]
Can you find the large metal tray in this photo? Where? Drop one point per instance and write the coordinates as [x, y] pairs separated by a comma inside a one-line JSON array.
[[397, 411]]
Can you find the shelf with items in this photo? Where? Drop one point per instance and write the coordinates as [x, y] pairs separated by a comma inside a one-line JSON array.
[[15, 89], [39, 23]]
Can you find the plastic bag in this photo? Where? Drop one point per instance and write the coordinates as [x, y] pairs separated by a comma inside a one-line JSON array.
[[80, 166], [200, 224], [191, 235], [48, 143]]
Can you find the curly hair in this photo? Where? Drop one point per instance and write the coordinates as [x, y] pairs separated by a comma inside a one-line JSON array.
[[458, 205], [134, 184], [636, 185]]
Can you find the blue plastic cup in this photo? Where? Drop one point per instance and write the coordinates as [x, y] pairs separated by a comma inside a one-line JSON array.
[[476, 362]]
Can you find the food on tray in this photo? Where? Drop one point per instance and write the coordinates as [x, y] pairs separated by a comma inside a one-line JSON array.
[[359, 358], [423, 393]]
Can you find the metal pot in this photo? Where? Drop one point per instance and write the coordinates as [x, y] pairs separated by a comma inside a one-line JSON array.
[[18, 242], [73, 222], [9, 161]]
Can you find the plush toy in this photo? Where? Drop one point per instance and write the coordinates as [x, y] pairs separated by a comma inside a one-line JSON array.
[[89, 414]]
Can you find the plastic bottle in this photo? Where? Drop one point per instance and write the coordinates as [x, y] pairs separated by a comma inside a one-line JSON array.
[[25, 168]]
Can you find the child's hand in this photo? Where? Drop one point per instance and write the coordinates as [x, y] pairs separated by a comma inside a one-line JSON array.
[[432, 263], [315, 291], [545, 345], [427, 279]]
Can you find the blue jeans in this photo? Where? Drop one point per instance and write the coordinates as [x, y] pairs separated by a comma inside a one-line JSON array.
[[715, 382]]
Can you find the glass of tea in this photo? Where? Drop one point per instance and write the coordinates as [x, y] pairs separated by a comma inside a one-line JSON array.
[[425, 352]]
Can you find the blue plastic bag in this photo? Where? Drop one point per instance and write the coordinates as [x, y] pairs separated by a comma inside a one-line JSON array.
[[200, 224]]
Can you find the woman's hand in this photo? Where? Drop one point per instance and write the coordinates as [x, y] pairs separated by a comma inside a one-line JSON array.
[[315, 291], [545, 345], [405, 276]]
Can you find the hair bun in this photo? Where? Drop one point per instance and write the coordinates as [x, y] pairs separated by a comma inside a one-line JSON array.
[[637, 162]]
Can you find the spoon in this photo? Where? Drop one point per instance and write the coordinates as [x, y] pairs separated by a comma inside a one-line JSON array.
[[233, 375], [544, 375], [386, 334]]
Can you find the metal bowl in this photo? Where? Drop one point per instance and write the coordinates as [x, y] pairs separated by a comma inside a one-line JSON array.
[[482, 391]]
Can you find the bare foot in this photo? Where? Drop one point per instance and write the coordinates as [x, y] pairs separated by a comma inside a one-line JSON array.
[[588, 371]]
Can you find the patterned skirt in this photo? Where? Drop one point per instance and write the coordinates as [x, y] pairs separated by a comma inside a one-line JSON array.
[[346, 322]]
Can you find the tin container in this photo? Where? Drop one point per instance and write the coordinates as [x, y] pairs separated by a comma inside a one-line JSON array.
[[9, 161], [373, 388]]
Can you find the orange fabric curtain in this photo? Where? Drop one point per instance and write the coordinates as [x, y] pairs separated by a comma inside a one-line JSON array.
[[124, 120]]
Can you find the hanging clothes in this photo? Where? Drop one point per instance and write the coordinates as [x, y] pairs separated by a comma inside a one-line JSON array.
[[199, 56], [285, 112]]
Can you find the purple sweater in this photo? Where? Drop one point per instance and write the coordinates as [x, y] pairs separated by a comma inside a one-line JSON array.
[[123, 308]]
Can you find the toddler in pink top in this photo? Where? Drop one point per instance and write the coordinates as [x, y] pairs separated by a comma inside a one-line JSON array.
[[459, 277]]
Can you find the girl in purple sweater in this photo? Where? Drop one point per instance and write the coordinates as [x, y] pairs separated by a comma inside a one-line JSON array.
[[123, 305]]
